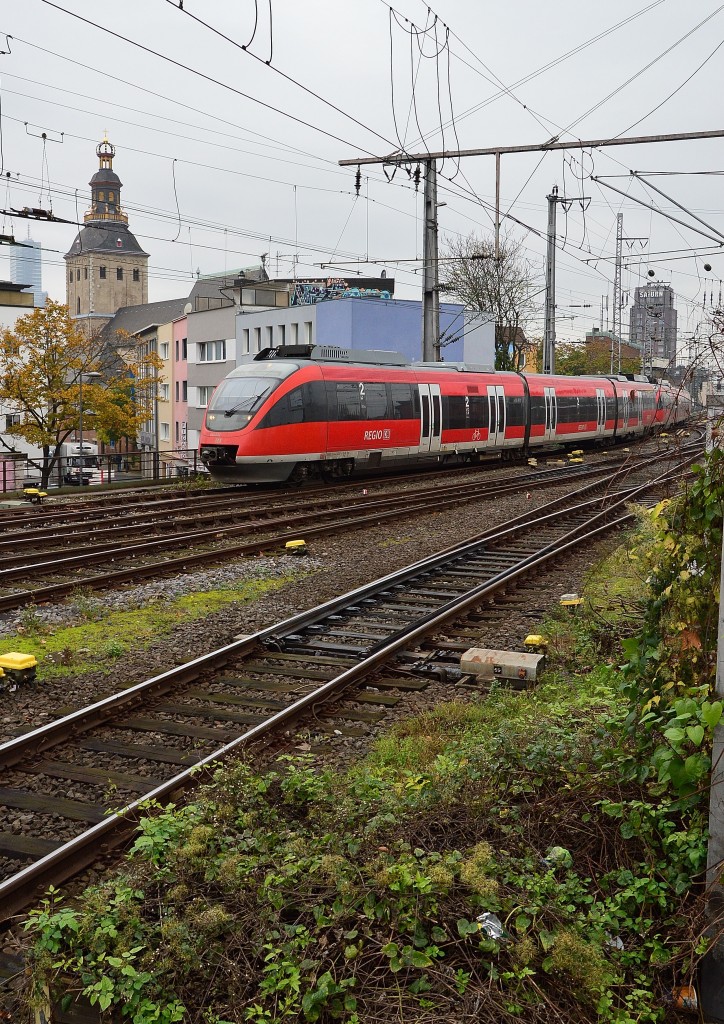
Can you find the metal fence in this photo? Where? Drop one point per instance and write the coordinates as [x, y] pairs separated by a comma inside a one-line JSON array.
[[21, 471]]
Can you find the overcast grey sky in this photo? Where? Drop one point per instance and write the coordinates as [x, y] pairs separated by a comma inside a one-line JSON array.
[[249, 180]]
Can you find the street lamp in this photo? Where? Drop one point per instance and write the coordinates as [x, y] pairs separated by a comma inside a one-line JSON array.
[[89, 375]]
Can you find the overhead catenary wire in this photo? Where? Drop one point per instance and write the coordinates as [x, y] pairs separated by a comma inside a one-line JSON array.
[[677, 89], [201, 74], [460, 195], [207, 114], [278, 71]]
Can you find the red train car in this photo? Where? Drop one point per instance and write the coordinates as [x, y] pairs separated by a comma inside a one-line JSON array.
[[302, 411]]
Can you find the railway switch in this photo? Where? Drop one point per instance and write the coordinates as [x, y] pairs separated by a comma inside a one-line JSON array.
[[513, 666]]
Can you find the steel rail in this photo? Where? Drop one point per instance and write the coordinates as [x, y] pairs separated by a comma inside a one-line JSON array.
[[52, 733], [83, 849], [462, 491], [134, 572]]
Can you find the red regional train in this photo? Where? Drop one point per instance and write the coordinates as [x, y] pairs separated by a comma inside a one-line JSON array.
[[300, 411]]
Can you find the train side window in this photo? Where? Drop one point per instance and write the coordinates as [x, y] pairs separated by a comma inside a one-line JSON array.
[[567, 409], [537, 410], [454, 412], [376, 401], [401, 403], [295, 406], [349, 401], [314, 397], [478, 411], [278, 415], [587, 409], [515, 408]]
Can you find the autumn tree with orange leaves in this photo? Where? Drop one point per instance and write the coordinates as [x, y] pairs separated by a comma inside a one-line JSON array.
[[41, 362]]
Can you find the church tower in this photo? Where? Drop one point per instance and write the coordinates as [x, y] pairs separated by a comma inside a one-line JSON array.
[[107, 268]]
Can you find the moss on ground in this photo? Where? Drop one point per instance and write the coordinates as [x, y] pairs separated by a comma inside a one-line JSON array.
[[109, 634]]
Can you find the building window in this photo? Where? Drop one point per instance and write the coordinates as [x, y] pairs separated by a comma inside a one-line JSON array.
[[119, 273], [212, 351], [184, 391], [12, 420], [245, 342], [177, 401], [269, 332], [205, 393], [177, 350], [308, 332], [77, 306], [295, 334], [184, 349], [85, 273], [136, 274], [111, 198], [102, 197], [102, 273], [257, 339], [177, 430], [70, 277], [77, 275], [164, 349], [282, 333], [165, 431], [164, 392]]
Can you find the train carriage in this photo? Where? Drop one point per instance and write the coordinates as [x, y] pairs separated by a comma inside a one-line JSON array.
[[303, 411]]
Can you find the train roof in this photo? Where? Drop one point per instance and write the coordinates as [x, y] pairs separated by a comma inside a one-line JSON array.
[[367, 357]]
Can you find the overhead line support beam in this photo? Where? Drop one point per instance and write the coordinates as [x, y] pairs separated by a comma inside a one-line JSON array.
[[539, 147]]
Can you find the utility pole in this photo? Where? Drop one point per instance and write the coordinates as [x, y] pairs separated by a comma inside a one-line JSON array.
[[497, 206], [549, 331], [428, 159], [712, 968], [430, 285], [616, 333]]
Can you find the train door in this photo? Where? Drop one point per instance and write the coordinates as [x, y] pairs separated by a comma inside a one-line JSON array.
[[496, 415], [551, 413], [640, 408], [600, 411], [430, 417], [625, 403]]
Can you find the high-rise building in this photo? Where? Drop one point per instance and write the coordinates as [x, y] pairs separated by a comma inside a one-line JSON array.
[[107, 268], [26, 269], [653, 324]]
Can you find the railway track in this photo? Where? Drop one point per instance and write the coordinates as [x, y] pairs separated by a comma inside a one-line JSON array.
[[217, 527], [319, 671]]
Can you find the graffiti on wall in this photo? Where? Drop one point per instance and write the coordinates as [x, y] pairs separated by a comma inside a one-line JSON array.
[[306, 293]]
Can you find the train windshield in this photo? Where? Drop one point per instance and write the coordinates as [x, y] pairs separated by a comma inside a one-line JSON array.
[[238, 397]]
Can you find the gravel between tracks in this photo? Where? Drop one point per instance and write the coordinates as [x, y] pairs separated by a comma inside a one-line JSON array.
[[337, 564]]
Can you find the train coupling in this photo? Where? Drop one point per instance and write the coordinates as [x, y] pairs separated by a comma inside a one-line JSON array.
[[219, 455]]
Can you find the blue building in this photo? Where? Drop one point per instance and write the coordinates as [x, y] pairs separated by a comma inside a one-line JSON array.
[[368, 323]]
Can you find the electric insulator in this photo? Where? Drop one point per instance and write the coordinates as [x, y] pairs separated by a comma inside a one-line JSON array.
[[416, 177], [358, 181]]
